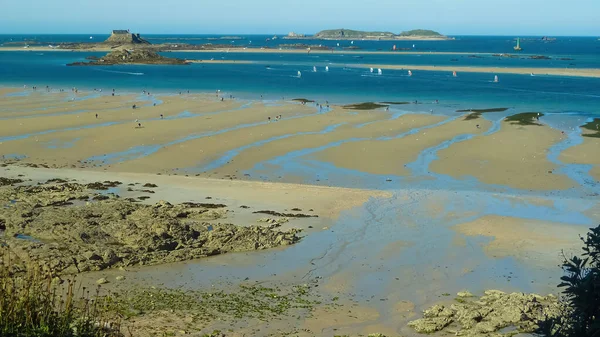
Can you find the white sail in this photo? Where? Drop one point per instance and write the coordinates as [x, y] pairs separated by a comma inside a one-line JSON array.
[[351, 42], [299, 74], [496, 79], [372, 69], [314, 69], [454, 74], [326, 68], [379, 71], [409, 73]]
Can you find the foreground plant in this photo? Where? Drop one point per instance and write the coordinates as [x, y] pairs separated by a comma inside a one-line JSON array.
[[33, 303], [581, 283]]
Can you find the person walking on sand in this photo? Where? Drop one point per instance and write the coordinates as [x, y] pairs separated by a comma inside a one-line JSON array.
[[269, 119], [96, 116], [133, 107], [161, 116]]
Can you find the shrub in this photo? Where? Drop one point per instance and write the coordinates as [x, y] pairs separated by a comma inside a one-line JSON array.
[[34, 304], [581, 294]]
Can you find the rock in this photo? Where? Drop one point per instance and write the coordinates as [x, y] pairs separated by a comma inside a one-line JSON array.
[[115, 233], [464, 294], [120, 278], [489, 314], [102, 281]]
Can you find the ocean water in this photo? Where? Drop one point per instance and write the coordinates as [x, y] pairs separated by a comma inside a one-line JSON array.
[[274, 76], [563, 45]]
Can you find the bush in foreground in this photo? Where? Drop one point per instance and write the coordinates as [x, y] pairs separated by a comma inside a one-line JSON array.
[[34, 304], [581, 284]]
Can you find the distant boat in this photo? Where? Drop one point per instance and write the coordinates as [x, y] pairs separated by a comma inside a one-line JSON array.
[[518, 46], [326, 68], [409, 73], [379, 71], [299, 74], [314, 69], [413, 45], [372, 69], [454, 74], [91, 37], [496, 79], [338, 44], [351, 42], [394, 48]]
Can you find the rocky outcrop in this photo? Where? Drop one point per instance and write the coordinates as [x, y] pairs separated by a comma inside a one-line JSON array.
[[68, 227], [494, 314], [124, 37], [138, 56]]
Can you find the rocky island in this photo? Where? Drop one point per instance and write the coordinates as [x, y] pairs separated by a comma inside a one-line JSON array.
[[124, 56], [348, 34]]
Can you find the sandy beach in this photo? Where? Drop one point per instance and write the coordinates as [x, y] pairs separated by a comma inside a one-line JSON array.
[[508, 157], [437, 196]]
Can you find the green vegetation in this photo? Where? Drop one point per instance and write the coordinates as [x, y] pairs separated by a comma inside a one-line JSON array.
[[592, 126], [364, 106], [421, 32], [525, 118], [396, 103], [349, 34], [476, 113], [484, 110], [303, 100], [244, 302], [359, 34], [34, 304], [581, 284]]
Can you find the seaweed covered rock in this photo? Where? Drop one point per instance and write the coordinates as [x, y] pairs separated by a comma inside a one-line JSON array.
[[489, 315], [66, 226]]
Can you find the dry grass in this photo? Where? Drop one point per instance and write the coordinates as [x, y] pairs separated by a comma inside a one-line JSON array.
[[34, 303]]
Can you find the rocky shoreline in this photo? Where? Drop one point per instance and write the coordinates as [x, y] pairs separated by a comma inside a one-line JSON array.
[[76, 228]]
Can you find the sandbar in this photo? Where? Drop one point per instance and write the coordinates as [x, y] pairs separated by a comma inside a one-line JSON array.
[[584, 153], [389, 157], [533, 241], [515, 156]]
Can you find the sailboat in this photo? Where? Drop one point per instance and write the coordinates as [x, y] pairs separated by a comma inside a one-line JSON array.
[[454, 74], [409, 73], [314, 69], [326, 68], [496, 79], [379, 71], [518, 46], [299, 74], [372, 69]]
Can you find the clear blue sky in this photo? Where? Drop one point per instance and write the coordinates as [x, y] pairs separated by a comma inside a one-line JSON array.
[[452, 17]]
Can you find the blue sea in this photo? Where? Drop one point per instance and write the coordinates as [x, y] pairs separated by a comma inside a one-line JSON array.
[[274, 75]]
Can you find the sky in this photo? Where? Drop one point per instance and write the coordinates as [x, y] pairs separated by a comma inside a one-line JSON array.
[[450, 17]]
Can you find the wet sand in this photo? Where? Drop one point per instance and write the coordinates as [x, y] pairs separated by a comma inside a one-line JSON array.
[[370, 248], [532, 241], [366, 156], [584, 153], [515, 156]]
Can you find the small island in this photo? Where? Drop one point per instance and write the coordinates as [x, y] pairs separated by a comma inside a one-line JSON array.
[[124, 56], [348, 34]]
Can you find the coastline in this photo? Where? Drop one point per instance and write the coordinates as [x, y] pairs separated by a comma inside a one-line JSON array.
[[413, 222]]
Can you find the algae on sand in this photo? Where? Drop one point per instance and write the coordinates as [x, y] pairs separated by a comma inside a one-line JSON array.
[[525, 118], [364, 106], [594, 126], [476, 113]]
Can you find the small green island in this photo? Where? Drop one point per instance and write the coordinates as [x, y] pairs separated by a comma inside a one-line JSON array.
[[349, 34]]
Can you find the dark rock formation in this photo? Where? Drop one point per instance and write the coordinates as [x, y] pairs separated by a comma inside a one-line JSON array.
[[124, 56]]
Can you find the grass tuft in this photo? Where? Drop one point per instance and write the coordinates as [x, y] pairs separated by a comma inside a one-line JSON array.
[[34, 304]]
